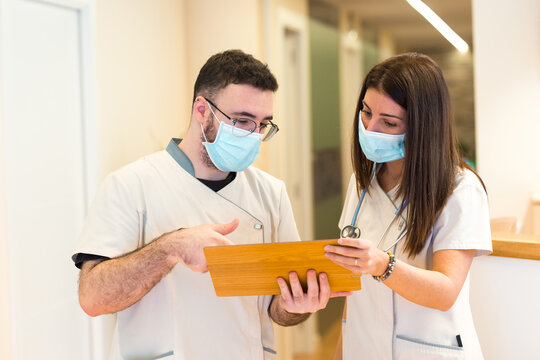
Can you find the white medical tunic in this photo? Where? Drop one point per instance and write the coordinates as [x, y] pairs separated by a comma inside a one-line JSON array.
[[181, 317], [381, 324]]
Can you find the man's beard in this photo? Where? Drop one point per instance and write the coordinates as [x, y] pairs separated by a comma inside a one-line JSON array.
[[210, 131]]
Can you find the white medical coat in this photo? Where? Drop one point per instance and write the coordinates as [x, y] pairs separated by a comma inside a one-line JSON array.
[[181, 317], [381, 324]]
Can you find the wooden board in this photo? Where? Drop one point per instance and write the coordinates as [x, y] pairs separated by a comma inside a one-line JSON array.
[[243, 270]]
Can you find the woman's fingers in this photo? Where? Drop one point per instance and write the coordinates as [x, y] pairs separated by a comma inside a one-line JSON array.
[[342, 250], [358, 265], [345, 259], [357, 269], [355, 243]]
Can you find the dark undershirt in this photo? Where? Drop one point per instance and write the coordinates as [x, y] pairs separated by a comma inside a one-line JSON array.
[[215, 185]]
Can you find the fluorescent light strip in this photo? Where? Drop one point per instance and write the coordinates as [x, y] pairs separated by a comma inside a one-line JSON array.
[[440, 25]]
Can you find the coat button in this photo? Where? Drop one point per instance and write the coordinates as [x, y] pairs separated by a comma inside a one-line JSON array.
[[257, 226]]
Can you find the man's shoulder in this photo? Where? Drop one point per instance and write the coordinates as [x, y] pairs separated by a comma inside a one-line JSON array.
[[256, 174], [261, 183], [144, 166]]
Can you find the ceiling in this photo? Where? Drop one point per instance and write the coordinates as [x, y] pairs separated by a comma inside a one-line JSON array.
[[411, 30]]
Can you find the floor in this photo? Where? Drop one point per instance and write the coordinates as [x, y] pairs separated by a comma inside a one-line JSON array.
[[327, 346]]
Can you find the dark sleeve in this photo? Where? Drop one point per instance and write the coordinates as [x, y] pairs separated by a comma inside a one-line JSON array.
[[79, 258]]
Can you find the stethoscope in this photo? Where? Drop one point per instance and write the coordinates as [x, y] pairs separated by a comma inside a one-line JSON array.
[[352, 231]]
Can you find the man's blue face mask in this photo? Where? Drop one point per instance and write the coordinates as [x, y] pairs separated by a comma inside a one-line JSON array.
[[232, 152], [379, 147]]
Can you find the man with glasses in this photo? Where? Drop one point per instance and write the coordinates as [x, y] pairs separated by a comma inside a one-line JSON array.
[[141, 250]]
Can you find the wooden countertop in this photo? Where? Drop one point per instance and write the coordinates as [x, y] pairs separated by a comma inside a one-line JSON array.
[[521, 246]]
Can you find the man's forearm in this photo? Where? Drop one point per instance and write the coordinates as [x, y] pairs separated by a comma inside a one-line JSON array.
[[282, 317], [115, 284]]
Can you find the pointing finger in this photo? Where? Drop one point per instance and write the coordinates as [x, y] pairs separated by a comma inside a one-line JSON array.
[[228, 228]]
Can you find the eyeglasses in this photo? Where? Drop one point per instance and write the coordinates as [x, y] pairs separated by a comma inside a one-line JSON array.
[[267, 130]]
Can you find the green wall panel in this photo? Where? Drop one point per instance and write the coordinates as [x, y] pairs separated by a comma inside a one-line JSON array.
[[324, 45]]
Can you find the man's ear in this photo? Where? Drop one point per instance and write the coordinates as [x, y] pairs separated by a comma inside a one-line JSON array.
[[200, 108]]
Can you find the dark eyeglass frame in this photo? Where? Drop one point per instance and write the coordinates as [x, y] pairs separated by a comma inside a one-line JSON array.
[[267, 135]]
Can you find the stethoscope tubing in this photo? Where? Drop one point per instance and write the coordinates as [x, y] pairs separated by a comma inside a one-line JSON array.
[[362, 196], [399, 238], [396, 214]]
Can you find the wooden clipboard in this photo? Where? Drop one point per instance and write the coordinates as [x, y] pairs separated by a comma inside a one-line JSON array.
[[244, 270]]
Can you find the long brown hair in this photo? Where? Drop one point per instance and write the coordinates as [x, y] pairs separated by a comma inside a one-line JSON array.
[[415, 82]]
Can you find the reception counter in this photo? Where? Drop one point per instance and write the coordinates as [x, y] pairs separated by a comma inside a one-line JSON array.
[[518, 246], [505, 297]]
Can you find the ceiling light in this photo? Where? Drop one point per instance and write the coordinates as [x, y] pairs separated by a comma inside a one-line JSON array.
[[440, 25]]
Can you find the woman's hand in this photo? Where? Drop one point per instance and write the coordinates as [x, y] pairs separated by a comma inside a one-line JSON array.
[[358, 255], [437, 288]]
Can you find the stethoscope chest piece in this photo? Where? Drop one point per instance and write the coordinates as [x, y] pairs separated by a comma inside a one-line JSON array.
[[350, 231]]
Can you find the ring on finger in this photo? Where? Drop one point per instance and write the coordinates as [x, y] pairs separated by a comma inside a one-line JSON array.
[[355, 261]]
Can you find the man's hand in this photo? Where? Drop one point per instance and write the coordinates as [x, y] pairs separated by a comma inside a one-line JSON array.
[[298, 302], [113, 285], [294, 306], [193, 240]]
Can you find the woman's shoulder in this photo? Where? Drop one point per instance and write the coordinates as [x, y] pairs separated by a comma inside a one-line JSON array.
[[468, 178], [351, 187], [469, 188]]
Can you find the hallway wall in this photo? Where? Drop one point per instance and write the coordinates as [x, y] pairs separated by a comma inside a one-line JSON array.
[[141, 91], [507, 81]]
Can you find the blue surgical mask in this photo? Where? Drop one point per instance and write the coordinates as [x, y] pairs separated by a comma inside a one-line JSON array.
[[379, 147], [230, 152]]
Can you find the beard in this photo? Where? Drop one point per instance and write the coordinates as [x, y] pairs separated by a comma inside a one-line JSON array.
[[211, 132]]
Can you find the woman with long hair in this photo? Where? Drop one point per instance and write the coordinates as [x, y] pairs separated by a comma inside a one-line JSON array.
[[414, 218]]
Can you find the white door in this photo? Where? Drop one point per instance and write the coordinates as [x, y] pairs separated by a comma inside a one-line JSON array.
[[44, 171]]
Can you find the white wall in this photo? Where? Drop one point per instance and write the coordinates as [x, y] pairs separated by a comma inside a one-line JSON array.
[[5, 307], [214, 26], [5, 322], [507, 86], [142, 88]]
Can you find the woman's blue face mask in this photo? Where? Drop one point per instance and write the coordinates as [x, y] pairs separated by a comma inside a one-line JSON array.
[[380, 147]]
